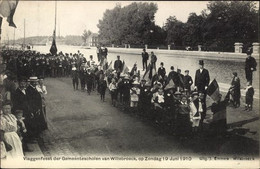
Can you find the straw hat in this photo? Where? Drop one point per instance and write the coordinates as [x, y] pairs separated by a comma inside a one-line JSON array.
[[33, 79]]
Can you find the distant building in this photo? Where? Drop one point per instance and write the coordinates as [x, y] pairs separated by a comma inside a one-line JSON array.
[[92, 40]]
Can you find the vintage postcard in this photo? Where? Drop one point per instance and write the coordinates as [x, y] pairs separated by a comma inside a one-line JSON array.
[[129, 84]]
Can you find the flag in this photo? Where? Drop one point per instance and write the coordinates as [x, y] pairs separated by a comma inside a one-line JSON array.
[[53, 48], [110, 66], [125, 69], [133, 70], [0, 24], [170, 85], [105, 64], [147, 72], [150, 72], [7, 9], [213, 90]]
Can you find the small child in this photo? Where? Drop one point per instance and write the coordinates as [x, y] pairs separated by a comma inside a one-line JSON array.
[[195, 112], [102, 88], [249, 96], [113, 91], [134, 94], [21, 129]]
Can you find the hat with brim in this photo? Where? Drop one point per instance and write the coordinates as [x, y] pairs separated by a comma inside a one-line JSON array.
[[135, 83], [126, 78], [147, 84], [201, 62], [177, 93], [33, 79], [195, 93]]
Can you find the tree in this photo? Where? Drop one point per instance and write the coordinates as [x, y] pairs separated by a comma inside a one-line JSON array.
[[86, 35], [130, 24], [229, 22], [175, 31]]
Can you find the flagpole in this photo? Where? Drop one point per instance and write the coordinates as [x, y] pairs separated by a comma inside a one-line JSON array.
[[55, 20], [24, 35]]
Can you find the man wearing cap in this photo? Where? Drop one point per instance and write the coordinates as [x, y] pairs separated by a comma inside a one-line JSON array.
[[89, 79], [20, 99], [187, 80], [202, 78], [118, 66], [145, 57], [153, 60], [161, 71], [250, 66]]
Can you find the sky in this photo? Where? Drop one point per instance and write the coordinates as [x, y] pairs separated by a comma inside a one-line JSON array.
[[74, 17]]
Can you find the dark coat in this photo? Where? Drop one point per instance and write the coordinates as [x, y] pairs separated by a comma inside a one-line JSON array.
[[235, 89], [161, 72], [202, 79], [174, 76], [118, 65], [37, 123], [187, 80], [145, 56], [250, 95], [20, 102], [153, 58], [34, 99], [102, 86], [74, 74], [250, 64]]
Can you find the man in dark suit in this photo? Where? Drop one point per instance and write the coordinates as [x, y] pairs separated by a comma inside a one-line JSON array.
[[173, 76], [118, 66], [145, 57], [187, 80], [37, 122], [202, 78], [153, 60], [161, 70], [250, 66], [20, 102], [201, 84]]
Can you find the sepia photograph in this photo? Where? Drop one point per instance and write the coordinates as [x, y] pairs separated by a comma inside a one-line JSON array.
[[129, 84]]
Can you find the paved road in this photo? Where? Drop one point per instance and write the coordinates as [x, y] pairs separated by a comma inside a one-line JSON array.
[[80, 124]]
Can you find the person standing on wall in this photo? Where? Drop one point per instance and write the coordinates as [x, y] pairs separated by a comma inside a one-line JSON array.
[[145, 57], [250, 66]]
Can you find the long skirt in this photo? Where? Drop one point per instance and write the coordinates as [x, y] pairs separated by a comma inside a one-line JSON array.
[[13, 139], [3, 150]]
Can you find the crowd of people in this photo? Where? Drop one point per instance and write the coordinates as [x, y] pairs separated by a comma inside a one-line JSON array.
[[166, 99]]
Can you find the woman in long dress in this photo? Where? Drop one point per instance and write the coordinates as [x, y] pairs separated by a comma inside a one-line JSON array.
[[9, 126]]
